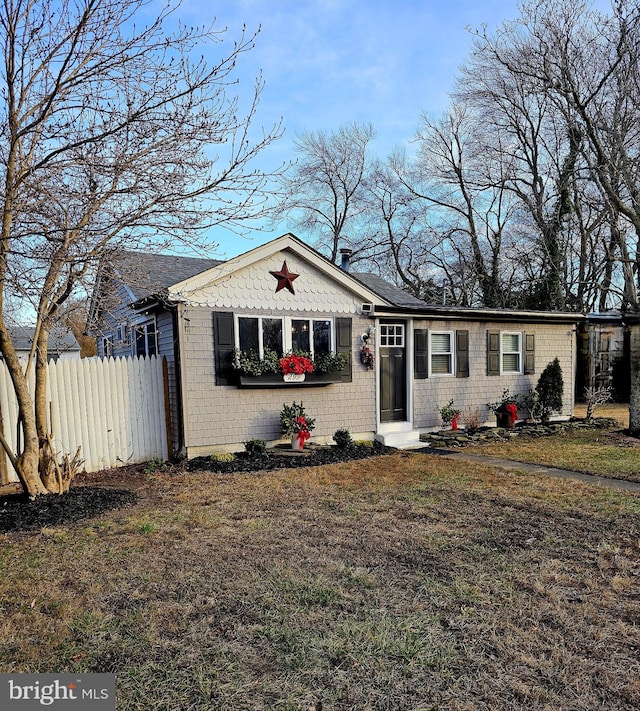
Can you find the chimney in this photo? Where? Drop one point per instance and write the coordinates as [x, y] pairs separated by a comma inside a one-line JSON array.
[[346, 258]]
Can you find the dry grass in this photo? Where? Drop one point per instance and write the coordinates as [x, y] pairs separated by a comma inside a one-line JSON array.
[[405, 582], [604, 453], [615, 410]]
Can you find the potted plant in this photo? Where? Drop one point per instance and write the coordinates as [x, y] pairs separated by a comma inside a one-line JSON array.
[[296, 424], [506, 409], [294, 367], [450, 415]]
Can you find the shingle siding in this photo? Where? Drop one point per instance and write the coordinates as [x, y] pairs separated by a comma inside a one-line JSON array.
[[221, 415], [474, 392]]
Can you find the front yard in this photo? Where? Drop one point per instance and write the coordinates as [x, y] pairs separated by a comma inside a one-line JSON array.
[[607, 453], [405, 582]]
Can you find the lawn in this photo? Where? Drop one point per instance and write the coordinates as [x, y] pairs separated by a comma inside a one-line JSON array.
[[605, 453], [405, 582]]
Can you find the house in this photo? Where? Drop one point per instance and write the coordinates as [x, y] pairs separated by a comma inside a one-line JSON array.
[[62, 343], [286, 296]]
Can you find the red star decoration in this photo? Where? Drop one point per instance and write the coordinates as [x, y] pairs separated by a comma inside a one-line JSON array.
[[285, 278]]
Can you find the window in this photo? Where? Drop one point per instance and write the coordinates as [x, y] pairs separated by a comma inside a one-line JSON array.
[[260, 333], [441, 353], [257, 334], [107, 346], [146, 339], [511, 352], [311, 335], [392, 334], [121, 334]]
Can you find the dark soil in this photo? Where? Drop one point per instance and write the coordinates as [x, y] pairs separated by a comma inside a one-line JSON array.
[[285, 458], [19, 513]]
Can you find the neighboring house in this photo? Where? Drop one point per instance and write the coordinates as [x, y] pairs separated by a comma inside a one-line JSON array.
[[286, 295], [62, 343], [604, 352]]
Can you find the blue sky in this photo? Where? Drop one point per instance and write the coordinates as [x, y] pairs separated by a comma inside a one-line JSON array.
[[331, 62]]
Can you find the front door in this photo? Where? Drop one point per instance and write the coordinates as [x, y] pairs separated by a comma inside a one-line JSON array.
[[393, 372]]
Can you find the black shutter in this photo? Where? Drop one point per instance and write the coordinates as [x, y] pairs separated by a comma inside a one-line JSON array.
[[343, 345], [420, 353], [529, 353], [462, 354], [223, 345], [493, 352]]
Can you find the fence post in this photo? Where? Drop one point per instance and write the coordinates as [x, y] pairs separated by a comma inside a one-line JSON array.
[[4, 471], [167, 407]]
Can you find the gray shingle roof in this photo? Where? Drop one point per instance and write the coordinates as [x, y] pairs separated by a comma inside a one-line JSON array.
[[60, 339], [389, 292], [149, 274]]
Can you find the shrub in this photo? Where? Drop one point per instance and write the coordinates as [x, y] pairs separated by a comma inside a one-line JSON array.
[[594, 397], [364, 443], [472, 420], [256, 448], [530, 401], [222, 457], [342, 438], [448, 412], [155, 465], [550, 389]]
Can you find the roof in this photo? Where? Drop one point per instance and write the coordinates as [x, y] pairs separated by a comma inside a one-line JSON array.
[[147, 274], [388, 291], [61, 340], [287, 243]]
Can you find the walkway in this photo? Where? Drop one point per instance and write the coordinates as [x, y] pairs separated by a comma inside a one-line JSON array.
[[616, 484]]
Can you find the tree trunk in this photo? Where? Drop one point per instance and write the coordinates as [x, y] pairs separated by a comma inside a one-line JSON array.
[[27, 469], [634, 402]]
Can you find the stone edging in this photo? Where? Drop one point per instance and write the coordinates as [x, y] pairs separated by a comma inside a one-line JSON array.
[[460, 438]]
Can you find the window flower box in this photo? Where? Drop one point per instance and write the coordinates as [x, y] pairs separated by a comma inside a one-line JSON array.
[[277, 380]]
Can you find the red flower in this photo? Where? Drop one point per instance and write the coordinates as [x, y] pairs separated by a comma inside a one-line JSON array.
[[512, 411], [296, 364]]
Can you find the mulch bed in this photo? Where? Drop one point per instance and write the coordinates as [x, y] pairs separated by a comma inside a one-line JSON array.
[[20, 513], [285, 458]]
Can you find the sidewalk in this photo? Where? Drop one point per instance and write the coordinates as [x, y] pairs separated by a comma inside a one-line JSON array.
[[616, 484]]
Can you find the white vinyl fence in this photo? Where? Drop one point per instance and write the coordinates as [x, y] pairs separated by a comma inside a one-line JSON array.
[[113, 409]]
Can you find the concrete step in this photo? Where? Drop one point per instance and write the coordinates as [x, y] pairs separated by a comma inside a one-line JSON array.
[[402, 440]]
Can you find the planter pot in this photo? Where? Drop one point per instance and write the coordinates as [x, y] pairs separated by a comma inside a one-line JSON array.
[[293, 377], [504, 419], [296, 444]]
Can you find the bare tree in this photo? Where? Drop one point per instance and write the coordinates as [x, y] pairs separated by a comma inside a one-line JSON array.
[[588, 65], [324, 189], [110, 135], [467, 208], [406, 252]]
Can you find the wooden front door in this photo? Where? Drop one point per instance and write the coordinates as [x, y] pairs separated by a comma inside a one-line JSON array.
[[393, 372]]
